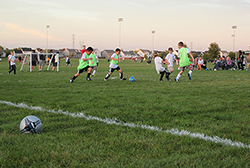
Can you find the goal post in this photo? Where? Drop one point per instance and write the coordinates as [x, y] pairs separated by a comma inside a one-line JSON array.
[[28, 59]]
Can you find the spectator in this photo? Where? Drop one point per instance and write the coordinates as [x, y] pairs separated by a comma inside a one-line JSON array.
[[34, 60], [195, 62], [83, 49], [224, 63], [55, 61], [42, 60], [240, 60], [200, 63], [204, 65], [20, 59], [9, 57]]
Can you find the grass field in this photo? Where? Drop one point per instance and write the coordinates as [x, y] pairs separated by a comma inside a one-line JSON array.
[[213, 104]]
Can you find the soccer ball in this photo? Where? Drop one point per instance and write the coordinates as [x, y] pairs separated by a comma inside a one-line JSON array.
[[30, 124], [0, 59], [131, 79]]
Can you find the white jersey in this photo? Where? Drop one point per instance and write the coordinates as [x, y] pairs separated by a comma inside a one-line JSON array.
[[158, 65], [12, 58], [170, 58], [200, 61], [113, 66]]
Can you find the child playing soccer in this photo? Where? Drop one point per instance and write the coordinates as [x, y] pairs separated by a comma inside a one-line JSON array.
[[114, 65], [67, 61], [93, 63], [184, 61], [170, 60], [12, 60], [159, 68], [84, 65]]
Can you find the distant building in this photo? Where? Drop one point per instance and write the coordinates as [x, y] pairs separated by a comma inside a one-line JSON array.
[[129, 54], [27, 50], [18, 53], [107, 53], [142, 53], [71, 52], [224, 53], [98, 53]]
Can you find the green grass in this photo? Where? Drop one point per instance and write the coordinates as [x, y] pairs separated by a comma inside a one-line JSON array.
[[213, 103]]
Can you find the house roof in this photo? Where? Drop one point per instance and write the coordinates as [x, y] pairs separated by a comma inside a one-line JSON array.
[[26, 49], [109, 51], [18, 51]]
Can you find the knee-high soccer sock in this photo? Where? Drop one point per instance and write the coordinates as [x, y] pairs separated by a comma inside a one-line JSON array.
[[94, 72], [74, 77], [162, 74], [190, 72], [178, 76], [121, 75], [167, 75], [88, 76], [107, 76]]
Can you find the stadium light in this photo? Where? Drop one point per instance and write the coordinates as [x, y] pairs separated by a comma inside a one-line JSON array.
[[153, 41], [47, 40], [120, 20], [234, 28]]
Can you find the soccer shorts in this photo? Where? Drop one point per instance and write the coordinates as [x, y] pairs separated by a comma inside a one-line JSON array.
[[82, 70], [113, 69]]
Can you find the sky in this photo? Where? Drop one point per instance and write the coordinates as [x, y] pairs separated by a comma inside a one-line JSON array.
[[95, 23]]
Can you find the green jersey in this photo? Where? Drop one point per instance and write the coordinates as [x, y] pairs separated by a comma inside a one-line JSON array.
[[83, 64], [184, 60], [93, 56], [115, 56]]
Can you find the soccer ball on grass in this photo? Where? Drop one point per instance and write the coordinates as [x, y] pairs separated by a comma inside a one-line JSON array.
[[131, 79], [30, 124]]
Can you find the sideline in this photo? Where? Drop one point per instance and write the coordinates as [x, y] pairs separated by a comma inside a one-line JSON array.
[[115, 121]]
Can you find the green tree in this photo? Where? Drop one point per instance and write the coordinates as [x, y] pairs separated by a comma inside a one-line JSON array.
[[7, 52], [195, 55], [1, 50], [206, 56], [214, 50], [232, 55]]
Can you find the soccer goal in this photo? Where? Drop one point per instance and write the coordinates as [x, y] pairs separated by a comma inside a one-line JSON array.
[[28, 58]]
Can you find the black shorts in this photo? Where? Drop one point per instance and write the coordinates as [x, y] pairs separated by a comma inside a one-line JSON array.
[[55, 64], [33, 63], [84, 69], [113, 69], [183, 68]]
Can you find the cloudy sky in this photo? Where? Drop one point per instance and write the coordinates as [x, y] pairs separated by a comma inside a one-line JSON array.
[[95, 22]]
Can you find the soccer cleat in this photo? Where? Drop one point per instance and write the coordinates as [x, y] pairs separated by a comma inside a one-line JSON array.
[[93, 75], [88, 79], [177, 80], [169, 80], [71, 80], [189, 76], [8, 72], [105, 79], [123, 79], [160, 80]]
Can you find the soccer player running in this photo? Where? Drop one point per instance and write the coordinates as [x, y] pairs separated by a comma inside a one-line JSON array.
[[184, 61], [93, 63], [84, 65], [114, 65], [159, 68]]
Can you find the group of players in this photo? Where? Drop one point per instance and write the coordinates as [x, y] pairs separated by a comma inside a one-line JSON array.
[[89, 62]]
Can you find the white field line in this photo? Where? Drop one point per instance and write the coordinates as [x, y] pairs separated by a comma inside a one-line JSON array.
[[115, 121]]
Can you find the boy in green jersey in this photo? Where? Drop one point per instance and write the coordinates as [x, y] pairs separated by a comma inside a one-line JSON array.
[[93, 63], [184, 60], [114, 65], [84, 65]]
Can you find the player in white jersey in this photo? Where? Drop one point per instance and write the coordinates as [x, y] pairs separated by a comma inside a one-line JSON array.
[[159, 68]]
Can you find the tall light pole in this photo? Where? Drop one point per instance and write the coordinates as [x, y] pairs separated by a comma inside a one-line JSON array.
[[120, 20], [234, 28], [153, 41], [47, 40]]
